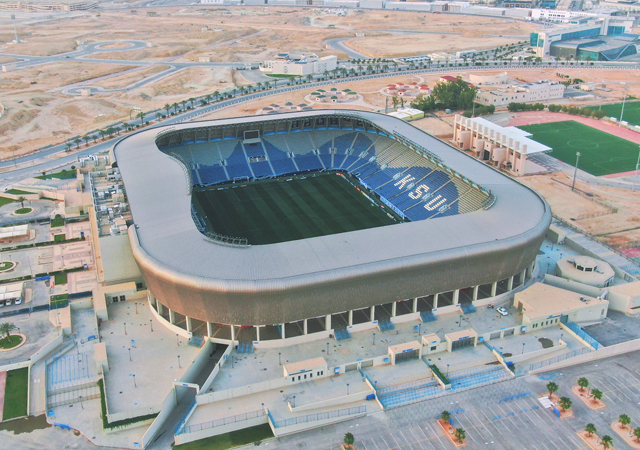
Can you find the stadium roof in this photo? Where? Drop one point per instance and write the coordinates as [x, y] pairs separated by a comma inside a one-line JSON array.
[[515, 134], [166, 241]]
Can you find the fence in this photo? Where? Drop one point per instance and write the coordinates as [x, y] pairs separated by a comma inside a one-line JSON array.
[[224, 421], [321, 416], [580, 332], [556, 359]]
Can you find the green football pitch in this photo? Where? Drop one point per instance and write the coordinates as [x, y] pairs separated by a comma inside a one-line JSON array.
[[631, 111], [290, 208], [600, 153]]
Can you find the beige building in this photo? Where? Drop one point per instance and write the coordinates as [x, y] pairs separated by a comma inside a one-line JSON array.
[[542, 305], [539, 92], [66, 6], [507, 148], [586, 269], [299, 64]]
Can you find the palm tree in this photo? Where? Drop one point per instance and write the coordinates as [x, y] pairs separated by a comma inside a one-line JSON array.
[[22, 199], [596, 394], [140, 116], [259, 85], [310, 78], [624, 420], [102, 133], [216, 94], [606, 441], [552, 387], [175, 108], [77, 142], [349, 439], [326, 73], [158, 115], [191, 100], [207, 98], [167, 107], [184, 102], [460, 434], [565, 403], [86, 139], [68, 145], [636, 433], [445, 416], [583, 383], [6, 329], [590, 429]]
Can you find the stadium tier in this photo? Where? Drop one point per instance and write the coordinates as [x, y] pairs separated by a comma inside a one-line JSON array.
[[283, 225]]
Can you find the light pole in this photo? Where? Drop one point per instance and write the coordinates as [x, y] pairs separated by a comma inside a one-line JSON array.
[[327, 348], [125, 328], [178, 339], [447, 369], [635, 178], [624, 99], [130, 355], [575, 172], [136, 307], [294, 401], [347, 389], [134, 380], [179, 366], [279, 360], [523, 348], [374, 338], [81, 404], [151, 323]]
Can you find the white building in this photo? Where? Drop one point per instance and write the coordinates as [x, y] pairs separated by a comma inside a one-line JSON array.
[[507, 148], [541, 91], [299, 64]]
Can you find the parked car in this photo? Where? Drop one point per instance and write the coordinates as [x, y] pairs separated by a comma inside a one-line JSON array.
[[503, 311], [18, 301], [9, 302]]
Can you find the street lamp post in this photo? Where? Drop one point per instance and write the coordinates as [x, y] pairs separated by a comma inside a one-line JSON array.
[[347, 388], [179, 366], [374, 338], [130, 355], [279, 360], [134, 380], [327, 348], [81, 404], [294, 401], [523, 348], [151, 323], [447, 369], [575, 172], [178, 339], [125, 328]]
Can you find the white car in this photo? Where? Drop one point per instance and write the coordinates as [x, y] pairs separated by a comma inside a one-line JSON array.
[[503, 311], [9, 302], [18, 301]]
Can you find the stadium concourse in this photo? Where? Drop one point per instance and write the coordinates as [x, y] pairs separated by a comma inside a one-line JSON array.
[[269, 231]]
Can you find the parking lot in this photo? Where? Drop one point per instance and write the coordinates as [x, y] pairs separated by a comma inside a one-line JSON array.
[[491, 422]]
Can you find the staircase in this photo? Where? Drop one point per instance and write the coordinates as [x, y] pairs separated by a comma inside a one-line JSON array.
[[341, 334], [428, 316], [245, 347], [385, 324], [468, 308]]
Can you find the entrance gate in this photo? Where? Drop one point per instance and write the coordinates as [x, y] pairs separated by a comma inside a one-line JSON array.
[[405, 356]]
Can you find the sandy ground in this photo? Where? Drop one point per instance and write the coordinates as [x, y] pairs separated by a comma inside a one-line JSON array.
[[124, 80]]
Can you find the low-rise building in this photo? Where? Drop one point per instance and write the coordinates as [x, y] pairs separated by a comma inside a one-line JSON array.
[[507, 148], [542, 91], [586, 270], [543, 305], [299, 64]]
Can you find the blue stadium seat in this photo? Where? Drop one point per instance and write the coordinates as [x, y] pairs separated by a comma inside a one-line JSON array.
[[326, 159], [212, 174], [262, 169], [254, 150], [239, 171], [309, 161], [283, 166], [343, 142]]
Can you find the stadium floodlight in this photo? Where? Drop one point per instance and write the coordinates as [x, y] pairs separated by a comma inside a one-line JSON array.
[[575, 172]]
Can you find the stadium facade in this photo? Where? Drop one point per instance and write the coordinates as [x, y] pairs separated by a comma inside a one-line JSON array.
[[470, 234]]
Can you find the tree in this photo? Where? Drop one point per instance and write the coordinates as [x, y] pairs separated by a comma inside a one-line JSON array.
[[86, 139], [445, 416], [596, 394], [6, 329], [590, 429], [636, 433], [140, 116], [624, 420], [68, 145], [22, 199], [77, 142], [565, 403], [349, 439], [552, 387], [102, 133], [191, 100], [175, 108], [216, 94], [606, 441], [460, 434], [167, 107], [184, 102]]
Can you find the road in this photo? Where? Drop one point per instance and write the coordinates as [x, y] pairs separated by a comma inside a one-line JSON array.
[[39, 161]]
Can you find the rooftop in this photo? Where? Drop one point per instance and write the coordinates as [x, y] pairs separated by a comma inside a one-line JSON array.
[[513, 133], [543, 300]]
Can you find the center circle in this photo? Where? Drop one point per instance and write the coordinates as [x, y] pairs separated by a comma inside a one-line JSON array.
[[580, 144]]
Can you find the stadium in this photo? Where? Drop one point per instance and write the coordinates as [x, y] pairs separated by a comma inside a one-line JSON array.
[[304, 225]]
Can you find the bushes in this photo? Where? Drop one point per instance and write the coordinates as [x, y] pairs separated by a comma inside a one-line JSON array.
[[577, 111], [480, 110], [515, 107]]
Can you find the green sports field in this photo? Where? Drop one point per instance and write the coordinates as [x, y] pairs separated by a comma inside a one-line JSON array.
[[631, 111], [290, 208], [600, 153]]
